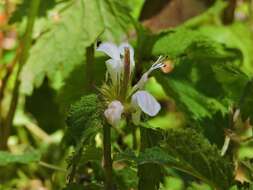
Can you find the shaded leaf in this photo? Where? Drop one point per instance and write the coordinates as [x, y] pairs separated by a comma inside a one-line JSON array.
[[84, 122], [84, 119], [149, 138], [38, 105], [189, 152], [196, 156], [246, 102], [78, 27], [7, 158], [22, 9], [193, 102]]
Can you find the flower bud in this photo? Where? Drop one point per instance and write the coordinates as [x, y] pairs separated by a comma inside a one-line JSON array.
[[113, 112]]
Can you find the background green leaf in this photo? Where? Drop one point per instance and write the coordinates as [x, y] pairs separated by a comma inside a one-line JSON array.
[[25, 158]]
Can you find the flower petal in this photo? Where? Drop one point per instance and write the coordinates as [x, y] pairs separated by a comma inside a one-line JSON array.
[[113, 112], [146, 102], [110, 49], [114, 68]]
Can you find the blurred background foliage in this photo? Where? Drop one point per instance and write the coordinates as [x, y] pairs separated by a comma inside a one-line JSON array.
[[48, 142]]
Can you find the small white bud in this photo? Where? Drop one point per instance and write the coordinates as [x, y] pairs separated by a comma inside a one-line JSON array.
[[113, 112]]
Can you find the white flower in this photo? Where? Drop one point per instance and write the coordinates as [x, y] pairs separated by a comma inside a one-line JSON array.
[[113, 112], [115, 65], [142, 100]]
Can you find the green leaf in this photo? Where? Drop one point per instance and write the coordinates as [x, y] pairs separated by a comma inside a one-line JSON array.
[[193, 102], [205, 79], [196, 156], [189, 43], [136, 7], [84, 119], [84, 122], [58, 51], [7, 158], [22, 9], [115, 18], [149, 138], [91, 154], [126, 178], [175, 42], [189, 152], [43, 98], [73, 88], [237, 35], [246, 102]]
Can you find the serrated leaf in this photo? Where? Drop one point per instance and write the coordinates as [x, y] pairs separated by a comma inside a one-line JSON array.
[[188, 151], [189, 43], [237, 35], [7, 158], [84, 122], [84, 119], [193, 102], [205, 79], [199, 158], [149, 138], [58, 51]]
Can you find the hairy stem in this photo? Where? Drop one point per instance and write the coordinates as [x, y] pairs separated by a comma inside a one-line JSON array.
[[26, 44], [89, 66], [107, 157]]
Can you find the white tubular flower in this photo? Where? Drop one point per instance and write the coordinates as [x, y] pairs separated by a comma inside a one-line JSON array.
[[158, 64], [113, 112], [146, 102], [115, 65]]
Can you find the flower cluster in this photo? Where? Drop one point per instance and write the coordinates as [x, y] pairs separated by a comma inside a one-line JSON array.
[[122, 96]]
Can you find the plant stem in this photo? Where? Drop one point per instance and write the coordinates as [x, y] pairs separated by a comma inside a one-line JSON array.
[[134, 136], [133, 129], [107, 157], [51, 166], [26, 44], [89, 66], [228, 15]]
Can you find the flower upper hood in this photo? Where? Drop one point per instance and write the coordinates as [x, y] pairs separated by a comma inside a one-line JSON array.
[[115, 65]]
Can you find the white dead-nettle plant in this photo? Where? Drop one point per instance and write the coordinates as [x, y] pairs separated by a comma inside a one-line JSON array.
[[121, 96]]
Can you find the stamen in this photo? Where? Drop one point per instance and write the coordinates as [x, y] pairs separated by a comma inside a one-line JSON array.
[[158, 64], [140, 84]]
